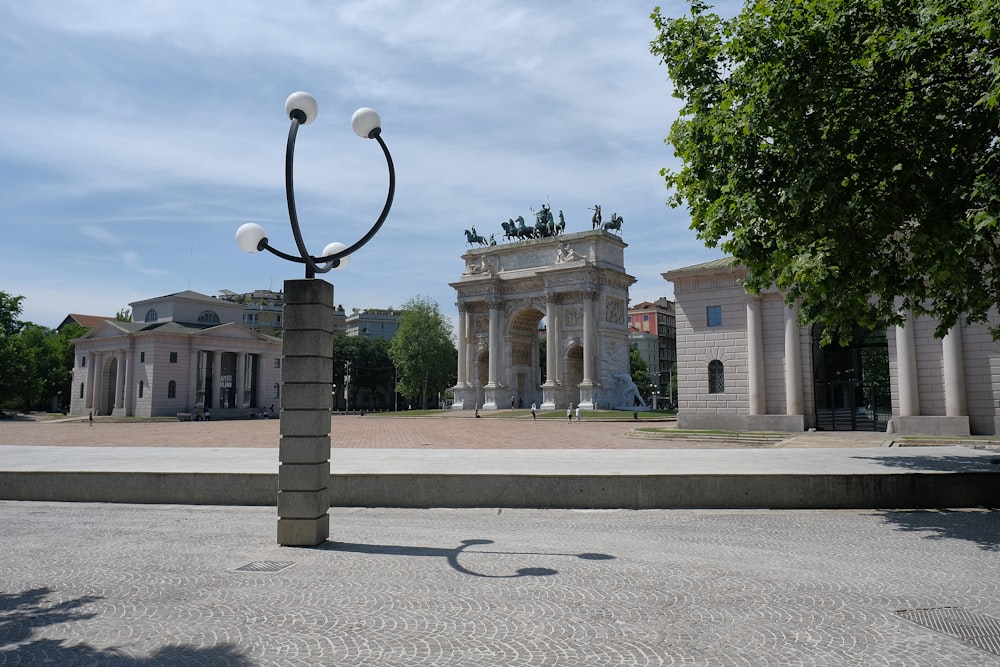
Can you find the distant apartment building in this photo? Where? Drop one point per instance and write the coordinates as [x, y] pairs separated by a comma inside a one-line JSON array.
[[262, 310], [373, 323], [653, 332]]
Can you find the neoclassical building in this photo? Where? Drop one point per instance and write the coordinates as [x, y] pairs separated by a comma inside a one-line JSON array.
[[743, 362], [181, 353], [577, 283]]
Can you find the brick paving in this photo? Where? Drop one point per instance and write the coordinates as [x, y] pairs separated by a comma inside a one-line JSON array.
[[372, 431], [85, 584]]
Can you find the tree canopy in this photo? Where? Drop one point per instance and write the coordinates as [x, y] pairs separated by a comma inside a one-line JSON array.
[[845, 152], [423, 351]]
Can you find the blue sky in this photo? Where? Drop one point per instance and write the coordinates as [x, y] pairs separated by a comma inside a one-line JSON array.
[[138, 136]]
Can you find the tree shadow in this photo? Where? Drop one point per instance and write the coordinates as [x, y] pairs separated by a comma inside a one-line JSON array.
[[931, 463], [980, 527], [23, 614], [451, 556]]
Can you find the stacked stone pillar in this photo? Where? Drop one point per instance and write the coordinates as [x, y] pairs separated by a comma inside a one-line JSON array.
[[304, 448]]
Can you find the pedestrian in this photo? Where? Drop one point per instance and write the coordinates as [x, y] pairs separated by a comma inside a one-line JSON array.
[[578, 413], [569, 412], [533, 409], [91, 417], [511, 402]]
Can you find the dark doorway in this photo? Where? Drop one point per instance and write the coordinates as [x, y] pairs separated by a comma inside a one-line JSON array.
[[852, 382]]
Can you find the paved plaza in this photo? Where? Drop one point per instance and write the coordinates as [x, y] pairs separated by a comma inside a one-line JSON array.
[[159, 584], [91, 584]]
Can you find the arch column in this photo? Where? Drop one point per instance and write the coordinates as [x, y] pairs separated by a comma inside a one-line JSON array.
[[551, 387], [462, 389], [129, 398], [493, 386], [793, 363], [755, 358], [589, 350], [88, 400], [95, 393], [955, 403]]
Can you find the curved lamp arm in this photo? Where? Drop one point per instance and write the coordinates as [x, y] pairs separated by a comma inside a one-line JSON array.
[[302, 110]]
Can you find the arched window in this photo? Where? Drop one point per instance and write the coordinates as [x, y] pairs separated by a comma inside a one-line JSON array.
[[716, 377], [171, 389], [151, 315], [141, 385], [208, 317]]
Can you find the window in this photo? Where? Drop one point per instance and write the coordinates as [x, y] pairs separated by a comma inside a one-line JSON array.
[[173, 357], [276, 394], [277, 363], [208, 317], [142, 357], [81, 390], [83, 362], [714, 316], [151, 316], [140, 388], [171, 389], [716, 377]]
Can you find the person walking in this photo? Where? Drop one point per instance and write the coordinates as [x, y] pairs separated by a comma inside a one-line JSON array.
[[91, 417], [578, 413], [533, 410], [569, 413]]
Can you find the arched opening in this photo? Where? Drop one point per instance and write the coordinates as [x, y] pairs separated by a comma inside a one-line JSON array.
[[526, 365], [852, 382], [574, 369]]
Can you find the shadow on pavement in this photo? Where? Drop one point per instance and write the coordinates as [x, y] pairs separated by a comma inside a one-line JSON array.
[[932, 463], [22, 614], [451, 556], [980, 527]]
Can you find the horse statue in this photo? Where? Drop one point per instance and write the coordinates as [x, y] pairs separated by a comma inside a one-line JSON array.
[[561, 225], [509, 229], [614, 223], [523, 230], [596, 220], [472, 237]]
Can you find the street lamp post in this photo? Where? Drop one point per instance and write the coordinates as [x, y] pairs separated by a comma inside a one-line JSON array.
[[307, 346]]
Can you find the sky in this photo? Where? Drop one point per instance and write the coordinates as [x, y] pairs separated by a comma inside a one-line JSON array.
[[138, 136]]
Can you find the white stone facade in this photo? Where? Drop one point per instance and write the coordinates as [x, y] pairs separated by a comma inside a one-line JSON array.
[[176, 364], [577, 283], [949, 386]]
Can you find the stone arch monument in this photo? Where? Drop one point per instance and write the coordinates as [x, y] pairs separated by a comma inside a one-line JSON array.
[[577, 283]]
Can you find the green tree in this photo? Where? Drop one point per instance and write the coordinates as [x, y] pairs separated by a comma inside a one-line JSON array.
[[12, 362], [124, 315], [844, 151], [423, 351]]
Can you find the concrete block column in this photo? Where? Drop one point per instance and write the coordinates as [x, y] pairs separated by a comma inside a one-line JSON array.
[[304, 448]]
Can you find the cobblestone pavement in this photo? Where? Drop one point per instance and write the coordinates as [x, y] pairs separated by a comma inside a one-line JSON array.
[[371, 431], [166, 585]]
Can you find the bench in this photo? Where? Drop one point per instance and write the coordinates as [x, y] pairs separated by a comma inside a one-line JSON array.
[[185, 417]]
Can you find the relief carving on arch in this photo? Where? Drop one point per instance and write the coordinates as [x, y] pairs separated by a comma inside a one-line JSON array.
[[615, 310]]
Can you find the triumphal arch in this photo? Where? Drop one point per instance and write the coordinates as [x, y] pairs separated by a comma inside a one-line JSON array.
[[578, 285]]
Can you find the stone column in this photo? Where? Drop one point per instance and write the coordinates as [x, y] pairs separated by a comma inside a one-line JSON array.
[[550, 390], [755, 357], [241, 380], [216, 380], [129, 398], [493, 382], [793, 363], [589, 350], [119, 383], [955, 403], [88, 400], [95, 394], [463, 347], [192, 392], [304, 448], [906, 369]]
